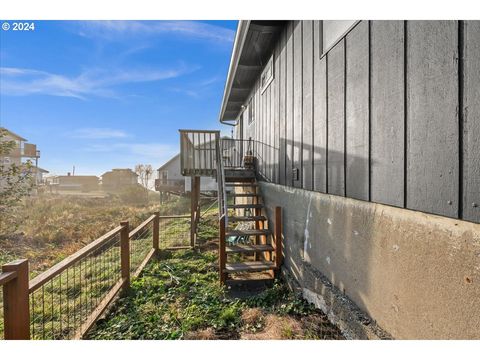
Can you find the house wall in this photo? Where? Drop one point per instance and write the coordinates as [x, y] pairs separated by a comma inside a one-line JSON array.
[[416, 275], [383, 131], [386, 115], [174, 173]]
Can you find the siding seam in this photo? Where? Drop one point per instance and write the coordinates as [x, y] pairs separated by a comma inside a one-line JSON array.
[[405, 113], [461, 84]]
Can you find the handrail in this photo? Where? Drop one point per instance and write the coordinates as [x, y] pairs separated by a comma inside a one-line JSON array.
[[222, 191], [198, 131], [41, 279], [7, 277], [174, 217], [141, 226]]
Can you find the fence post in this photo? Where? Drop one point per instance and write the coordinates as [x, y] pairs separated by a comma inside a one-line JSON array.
[[278, 237], [156, 232], [125, 254], [16, 302]]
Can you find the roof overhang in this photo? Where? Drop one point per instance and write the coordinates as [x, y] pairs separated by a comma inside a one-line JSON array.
[[13, 135], [253, 45]]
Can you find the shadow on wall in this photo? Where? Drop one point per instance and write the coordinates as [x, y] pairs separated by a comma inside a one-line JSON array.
[[326, 235], [414, 273]]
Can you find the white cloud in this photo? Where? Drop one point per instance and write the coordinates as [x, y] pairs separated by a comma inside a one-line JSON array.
[[117, 30], [98, 133], [94, 82]]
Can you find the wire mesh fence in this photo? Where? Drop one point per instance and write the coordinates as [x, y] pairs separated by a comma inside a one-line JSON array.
[[141, 240], [65, 301], [174, 231], [62, 305]]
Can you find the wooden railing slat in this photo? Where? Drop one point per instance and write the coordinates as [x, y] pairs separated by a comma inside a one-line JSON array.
[[141, 226]]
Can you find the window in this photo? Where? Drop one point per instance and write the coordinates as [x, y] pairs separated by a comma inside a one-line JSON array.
[[251, 110], [267, 74], [6, 160], [333, 30], [164, 177]]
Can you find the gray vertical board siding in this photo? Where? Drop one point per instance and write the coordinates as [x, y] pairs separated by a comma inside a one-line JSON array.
[[432, 117], [336, 119], [357, 113], [281, 81], [289, 104], [275, 122], [387, 112], [319, 113], [471, 124], [262, 131], [297, 101], [269, 131], [307, 148]]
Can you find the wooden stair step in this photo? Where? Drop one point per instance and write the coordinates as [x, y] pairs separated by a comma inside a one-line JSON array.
[[244, 195], [245, 206], [243, 184], [247, 218], [252, 266], [249, 232], [240, 248]]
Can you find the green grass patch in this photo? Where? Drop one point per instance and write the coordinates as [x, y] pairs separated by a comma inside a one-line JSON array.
[[180, 294]]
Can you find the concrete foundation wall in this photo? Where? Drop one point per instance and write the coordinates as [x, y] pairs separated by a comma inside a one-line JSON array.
[[416, 275]]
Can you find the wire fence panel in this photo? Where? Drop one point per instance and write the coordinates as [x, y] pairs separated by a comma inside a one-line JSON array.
[[140, 246], [67, 299], [61, 305], [174, 231]]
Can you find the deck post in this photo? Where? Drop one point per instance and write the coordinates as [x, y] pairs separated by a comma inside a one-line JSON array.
[[194, 211], [125, 254], [278, 237], [16, 302], [156, 232], [222, 255]]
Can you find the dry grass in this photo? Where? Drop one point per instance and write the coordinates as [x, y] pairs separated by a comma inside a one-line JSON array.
[[51, 227]]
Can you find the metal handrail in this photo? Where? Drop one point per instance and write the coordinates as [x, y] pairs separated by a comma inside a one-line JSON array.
[[222, 191]]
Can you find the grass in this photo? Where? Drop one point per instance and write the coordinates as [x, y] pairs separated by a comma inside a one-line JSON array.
[[179, 297]]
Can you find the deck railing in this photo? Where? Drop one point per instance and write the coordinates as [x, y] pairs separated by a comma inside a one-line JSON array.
[[65, 301], [233, 151], [198, 152]]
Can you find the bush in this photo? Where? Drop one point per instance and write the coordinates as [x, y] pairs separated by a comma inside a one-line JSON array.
[[134, 195]]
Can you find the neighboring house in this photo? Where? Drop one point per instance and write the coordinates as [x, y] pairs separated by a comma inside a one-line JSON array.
[[21, 152], [69, 182], [360, 125], [170, 179], [39, 173], [118, 179]]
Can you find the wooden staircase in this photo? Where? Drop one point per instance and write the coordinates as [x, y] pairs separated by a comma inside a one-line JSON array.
[[249, 241], [260, 250]]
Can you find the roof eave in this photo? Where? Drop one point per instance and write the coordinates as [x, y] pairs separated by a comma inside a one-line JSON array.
[[238, 44]]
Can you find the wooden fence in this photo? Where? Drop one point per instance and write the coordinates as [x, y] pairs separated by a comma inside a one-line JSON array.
[[65, 301]]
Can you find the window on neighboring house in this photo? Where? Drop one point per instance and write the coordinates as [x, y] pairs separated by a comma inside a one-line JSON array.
[[6, 160], [267, 74], [332, 31], [251, 110], [164, 177]]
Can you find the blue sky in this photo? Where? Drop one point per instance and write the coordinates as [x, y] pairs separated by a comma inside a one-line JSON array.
[[100, 94]]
